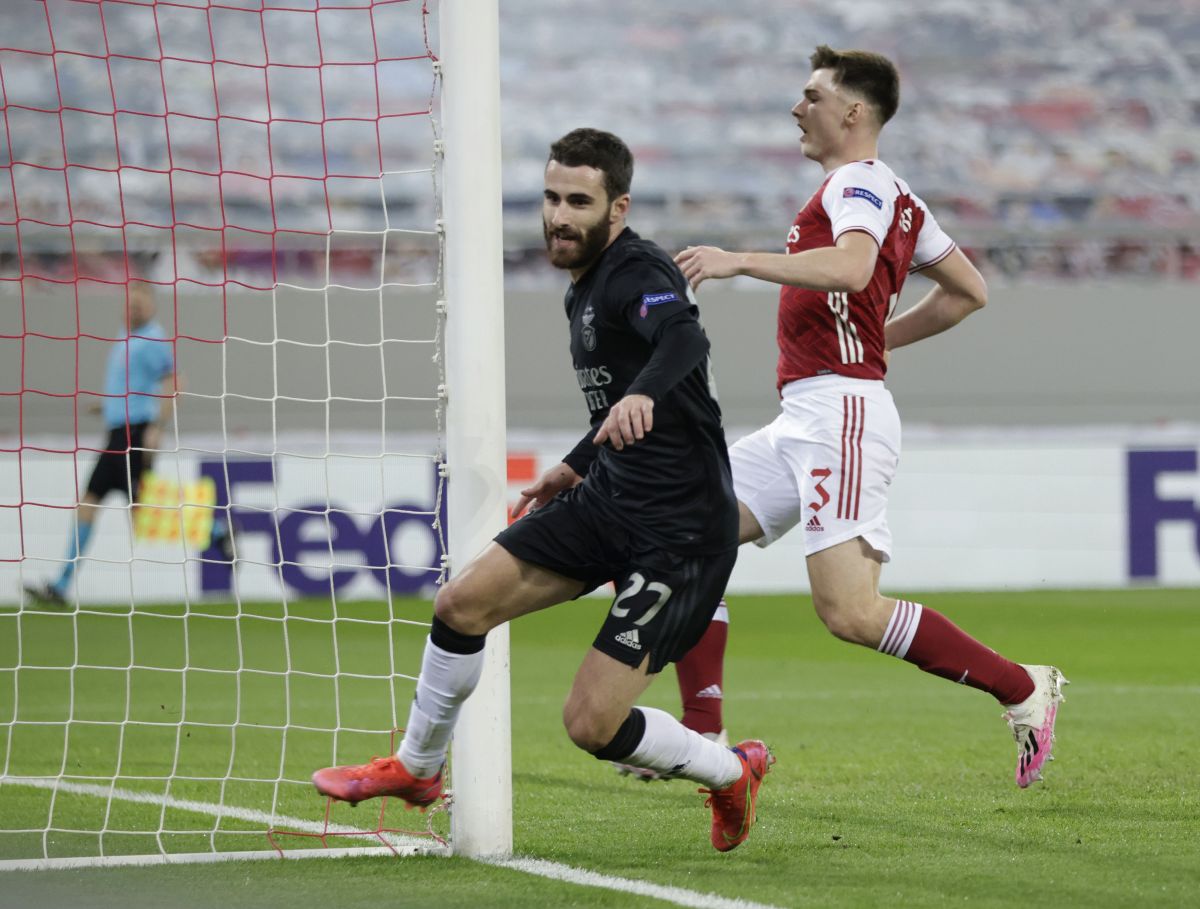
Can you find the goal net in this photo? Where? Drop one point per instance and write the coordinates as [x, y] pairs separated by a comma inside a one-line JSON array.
[[269, 178]]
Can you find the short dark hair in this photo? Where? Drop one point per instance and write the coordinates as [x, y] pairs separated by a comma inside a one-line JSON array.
[[871, 75], [598, 149]]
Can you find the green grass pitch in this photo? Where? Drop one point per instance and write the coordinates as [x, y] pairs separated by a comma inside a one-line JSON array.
[[891, 788]]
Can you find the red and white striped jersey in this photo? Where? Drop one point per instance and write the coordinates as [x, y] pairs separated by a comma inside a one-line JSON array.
[[824, 333]]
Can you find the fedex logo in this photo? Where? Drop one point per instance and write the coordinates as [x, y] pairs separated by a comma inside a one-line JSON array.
[[351, 543], [366, 542], [1148, 509]]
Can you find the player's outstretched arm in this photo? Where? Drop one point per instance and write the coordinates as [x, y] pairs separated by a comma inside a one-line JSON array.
[[960, 290], [699, 263], [548, 485], [844, 268]]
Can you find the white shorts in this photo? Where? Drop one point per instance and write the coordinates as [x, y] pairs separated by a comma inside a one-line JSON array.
[[825, 462]]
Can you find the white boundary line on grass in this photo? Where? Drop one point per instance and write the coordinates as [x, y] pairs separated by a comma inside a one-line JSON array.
[[406, 845], [585, 878], [181, 858]]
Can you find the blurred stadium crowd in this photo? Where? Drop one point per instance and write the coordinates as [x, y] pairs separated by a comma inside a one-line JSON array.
[[1053, 140]]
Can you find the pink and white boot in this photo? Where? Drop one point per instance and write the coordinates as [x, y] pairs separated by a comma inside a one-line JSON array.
[[1032, 722]]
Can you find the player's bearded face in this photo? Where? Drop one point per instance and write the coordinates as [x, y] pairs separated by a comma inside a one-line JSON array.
[[576, 245]]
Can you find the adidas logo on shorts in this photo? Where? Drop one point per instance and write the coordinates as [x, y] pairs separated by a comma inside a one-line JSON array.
[[629, 639], [813, 524]]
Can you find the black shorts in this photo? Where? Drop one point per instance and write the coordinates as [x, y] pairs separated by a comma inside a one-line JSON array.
[[664, 601], [120, 463]]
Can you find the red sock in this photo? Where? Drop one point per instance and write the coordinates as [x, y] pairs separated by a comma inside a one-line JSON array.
[[700, 673], [935, 644]]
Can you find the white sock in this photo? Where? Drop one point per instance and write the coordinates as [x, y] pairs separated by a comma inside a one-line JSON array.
[[446, 680], [670, 747]]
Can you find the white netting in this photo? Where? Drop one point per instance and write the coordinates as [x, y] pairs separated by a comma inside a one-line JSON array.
[[271, 168]]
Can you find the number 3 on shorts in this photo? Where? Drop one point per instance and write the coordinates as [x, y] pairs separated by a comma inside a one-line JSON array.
[[637, 583]]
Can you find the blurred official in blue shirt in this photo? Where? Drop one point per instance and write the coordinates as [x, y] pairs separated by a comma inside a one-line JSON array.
[[139, 389]]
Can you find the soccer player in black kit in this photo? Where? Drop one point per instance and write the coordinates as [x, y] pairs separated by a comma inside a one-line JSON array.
[[645, 500]]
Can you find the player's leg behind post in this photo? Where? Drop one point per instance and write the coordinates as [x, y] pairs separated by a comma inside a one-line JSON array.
[[494, 588]]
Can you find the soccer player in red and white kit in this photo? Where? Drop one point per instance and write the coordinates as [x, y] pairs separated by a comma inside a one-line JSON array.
[[827, 460]]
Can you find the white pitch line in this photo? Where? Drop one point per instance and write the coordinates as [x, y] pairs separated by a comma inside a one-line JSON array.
[[250, 815], [408, 845], [585, 878], [183, 858]]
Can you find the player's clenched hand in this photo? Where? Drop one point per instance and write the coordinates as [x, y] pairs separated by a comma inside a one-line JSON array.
[[699, 263], [549, 484], [627, 422]]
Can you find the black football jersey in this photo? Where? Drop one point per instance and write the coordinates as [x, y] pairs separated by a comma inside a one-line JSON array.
[[674, 486]]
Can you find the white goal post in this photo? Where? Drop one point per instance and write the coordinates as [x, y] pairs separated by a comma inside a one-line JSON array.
[[309, 194], [475, 429]]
